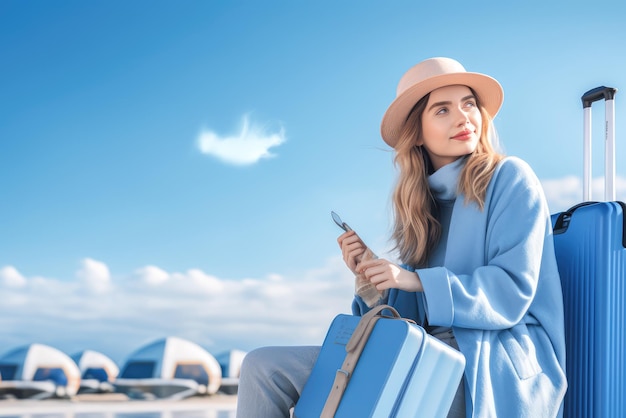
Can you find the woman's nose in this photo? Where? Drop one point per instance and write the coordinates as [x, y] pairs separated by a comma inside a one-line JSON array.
[[463, 117]]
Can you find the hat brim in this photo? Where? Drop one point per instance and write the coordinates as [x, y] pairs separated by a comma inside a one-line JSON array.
[[488, 89]]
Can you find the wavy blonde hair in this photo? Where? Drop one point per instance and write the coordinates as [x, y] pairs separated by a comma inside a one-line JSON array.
[[416, 230]]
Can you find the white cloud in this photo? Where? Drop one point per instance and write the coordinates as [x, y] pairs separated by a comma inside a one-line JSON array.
[[150, 303], [248, 147], [95, 275], [10, 277], [567, 191], [210, 284], [152, 275]]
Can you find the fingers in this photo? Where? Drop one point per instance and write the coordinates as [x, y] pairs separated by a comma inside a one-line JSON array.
[[376, 270], [371, 264], [385, 275], [352, 248], [348, 238]]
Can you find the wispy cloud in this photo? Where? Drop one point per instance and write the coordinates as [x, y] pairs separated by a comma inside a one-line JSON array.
[[565, 192], [117, 313], [248, 147]]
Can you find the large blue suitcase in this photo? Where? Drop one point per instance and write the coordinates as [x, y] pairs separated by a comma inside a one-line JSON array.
[[590, 243], [402, 372]]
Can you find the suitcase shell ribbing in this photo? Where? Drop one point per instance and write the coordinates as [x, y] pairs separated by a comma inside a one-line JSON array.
[[592, 263], [402, 372]]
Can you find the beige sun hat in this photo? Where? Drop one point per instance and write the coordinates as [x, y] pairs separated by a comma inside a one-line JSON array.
[[427, 76]]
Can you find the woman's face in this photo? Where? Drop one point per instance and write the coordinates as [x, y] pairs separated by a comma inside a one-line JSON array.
[[451, 124]]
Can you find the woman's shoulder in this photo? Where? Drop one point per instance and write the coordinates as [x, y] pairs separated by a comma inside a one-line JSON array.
[[514, 167], [514, 163], [514, 176]]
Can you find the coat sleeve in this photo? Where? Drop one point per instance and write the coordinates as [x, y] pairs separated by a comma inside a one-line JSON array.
[[496, 292]]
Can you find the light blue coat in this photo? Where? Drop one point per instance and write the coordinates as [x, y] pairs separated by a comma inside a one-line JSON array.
[[500, 292]]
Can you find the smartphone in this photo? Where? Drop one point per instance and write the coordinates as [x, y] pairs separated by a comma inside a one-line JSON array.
[[339, 222], [346, 228]]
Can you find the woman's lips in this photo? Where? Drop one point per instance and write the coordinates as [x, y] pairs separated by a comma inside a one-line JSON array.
[[463, 136]]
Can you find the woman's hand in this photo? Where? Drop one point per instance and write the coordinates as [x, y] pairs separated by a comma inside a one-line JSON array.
[[387, 275], [352, 249]]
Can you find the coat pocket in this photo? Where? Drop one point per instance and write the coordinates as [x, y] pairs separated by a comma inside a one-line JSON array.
[[521, 351]]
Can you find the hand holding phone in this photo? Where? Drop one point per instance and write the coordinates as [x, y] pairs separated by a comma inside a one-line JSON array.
[[347, 228], [363, 287]]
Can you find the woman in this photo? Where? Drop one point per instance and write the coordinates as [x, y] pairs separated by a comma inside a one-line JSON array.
[[478, 271]]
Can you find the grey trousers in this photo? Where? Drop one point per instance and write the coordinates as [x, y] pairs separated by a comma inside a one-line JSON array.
[[272, 379]]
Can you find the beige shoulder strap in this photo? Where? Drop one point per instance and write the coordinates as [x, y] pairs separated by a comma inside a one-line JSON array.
[[353, 348]]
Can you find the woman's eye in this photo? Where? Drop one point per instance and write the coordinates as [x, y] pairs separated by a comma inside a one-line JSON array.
[[441, 111], [470, 104]]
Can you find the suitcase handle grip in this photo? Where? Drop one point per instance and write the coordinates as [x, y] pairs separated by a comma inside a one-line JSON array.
[[365, 326], [599, 93], [563, 220]]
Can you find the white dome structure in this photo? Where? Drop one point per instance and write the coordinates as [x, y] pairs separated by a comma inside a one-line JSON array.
[[230, 361], [97, 371], [171, 368], [38, 371]]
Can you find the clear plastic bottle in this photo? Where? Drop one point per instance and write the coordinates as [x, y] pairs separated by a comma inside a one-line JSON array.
[[364, 288]]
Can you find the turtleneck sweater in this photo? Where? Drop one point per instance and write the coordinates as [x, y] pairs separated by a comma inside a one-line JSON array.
[[443, 185]]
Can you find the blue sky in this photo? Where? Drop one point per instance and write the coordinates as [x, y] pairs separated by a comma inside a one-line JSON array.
[[169, 168]]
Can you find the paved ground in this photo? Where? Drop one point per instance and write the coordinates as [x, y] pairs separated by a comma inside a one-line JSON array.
[[112, 403]]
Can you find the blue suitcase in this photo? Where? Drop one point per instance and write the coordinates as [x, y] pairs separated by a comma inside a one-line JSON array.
[[590, 245], [401, 372]]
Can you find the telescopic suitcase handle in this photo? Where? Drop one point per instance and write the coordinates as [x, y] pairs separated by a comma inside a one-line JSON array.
[[608, 94]]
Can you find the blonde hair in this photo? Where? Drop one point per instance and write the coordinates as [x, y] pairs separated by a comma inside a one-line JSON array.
[[416, 230]]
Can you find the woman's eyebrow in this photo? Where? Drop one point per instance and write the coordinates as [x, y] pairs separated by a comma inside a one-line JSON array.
[[436, 104]]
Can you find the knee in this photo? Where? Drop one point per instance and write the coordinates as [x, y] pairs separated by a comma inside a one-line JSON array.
[[258, 362]]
